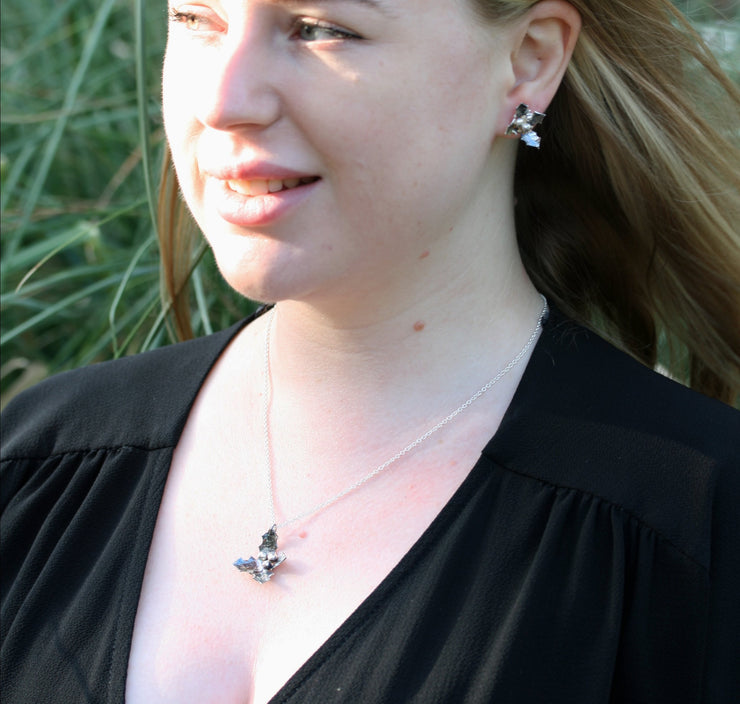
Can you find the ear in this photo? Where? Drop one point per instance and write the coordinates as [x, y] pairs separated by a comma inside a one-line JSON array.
[[544, 43]]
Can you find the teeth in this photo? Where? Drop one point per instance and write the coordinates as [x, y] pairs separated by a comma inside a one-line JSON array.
[[258, 188], [239, 186], [261, 187]]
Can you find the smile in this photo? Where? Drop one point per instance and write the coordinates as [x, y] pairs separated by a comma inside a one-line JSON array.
[[258, 202], [261, 187]]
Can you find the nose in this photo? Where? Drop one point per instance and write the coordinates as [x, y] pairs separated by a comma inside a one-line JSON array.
[[239, 86]]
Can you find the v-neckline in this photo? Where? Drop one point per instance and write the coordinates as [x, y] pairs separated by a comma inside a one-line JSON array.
[[396, 574], [387, 585]]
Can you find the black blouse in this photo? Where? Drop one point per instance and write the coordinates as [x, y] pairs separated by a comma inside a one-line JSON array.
[[591, 555]]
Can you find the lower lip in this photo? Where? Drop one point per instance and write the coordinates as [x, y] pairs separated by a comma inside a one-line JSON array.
[[253, 211]]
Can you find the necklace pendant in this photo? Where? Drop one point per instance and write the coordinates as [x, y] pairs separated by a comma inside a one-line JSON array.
[[262, 566]]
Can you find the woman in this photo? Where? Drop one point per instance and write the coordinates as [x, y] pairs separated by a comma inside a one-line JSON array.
[[461, 495]]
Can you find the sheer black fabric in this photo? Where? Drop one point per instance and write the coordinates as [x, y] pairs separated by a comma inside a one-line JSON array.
[[591, 555]]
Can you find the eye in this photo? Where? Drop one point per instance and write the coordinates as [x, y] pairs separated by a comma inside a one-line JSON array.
[[306, 29], [189, 19], [194, 21]]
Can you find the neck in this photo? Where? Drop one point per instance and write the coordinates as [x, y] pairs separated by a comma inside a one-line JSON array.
[[427, 351], [403, 347]]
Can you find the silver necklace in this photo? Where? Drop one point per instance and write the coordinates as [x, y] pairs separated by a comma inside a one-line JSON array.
[[269, 557]]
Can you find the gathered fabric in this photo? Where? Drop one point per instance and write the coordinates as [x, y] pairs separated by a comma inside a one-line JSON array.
[[589, 556]]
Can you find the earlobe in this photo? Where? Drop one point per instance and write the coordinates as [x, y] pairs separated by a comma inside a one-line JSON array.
[[547, 37]]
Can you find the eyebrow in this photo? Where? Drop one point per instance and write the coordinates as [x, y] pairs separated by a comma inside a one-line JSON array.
[[375, 4]]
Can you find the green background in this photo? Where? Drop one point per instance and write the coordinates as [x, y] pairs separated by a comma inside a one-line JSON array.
[[81, 142]]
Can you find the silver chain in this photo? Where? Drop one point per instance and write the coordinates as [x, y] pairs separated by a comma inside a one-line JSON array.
[[401, 453]]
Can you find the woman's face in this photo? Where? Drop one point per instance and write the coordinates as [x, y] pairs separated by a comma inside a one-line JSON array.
[[325, 145]]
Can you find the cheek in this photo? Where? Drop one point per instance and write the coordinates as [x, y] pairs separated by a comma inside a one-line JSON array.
[[180, 126], [412, 149], [175, 108], [414, 135], [431, 109], [179, 93]]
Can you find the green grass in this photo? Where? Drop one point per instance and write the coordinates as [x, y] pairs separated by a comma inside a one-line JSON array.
[[81, 141]]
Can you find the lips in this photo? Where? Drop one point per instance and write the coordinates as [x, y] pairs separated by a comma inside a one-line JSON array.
[[258, 202], [261, 187]]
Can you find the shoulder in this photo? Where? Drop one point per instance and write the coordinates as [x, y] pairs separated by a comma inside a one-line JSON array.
[[646, 412], [590, 418], [142, 400]]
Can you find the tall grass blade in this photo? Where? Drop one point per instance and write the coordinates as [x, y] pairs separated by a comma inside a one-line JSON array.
[[142, 98], [52, 144]]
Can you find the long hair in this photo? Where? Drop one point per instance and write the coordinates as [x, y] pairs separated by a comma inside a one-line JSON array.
[[627, 217], [177, 235]]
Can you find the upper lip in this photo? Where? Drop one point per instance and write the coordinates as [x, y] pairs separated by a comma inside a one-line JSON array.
[[254, 171]]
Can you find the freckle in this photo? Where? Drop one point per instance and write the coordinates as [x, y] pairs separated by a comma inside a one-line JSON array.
[[419, 325], [424, 254]]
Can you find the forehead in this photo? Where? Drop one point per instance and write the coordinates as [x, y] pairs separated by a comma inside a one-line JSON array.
[[389, 8], [385, 6]]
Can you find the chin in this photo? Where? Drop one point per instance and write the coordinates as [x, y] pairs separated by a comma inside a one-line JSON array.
[[266, 282], [269, 269], [253, 265]]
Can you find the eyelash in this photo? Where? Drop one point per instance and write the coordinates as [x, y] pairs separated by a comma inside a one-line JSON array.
[[192, 22], [187, 18], [332, 30]]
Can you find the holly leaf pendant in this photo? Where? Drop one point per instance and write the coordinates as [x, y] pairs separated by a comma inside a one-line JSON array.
[[262, 567]]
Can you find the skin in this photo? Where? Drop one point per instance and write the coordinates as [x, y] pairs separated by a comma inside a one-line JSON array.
[[347, 109], [391, 273], [400, 109]]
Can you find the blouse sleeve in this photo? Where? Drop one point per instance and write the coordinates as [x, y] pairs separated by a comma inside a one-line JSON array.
[[722, 675]]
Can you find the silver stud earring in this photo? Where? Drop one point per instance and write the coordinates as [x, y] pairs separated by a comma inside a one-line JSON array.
[[523, 125]]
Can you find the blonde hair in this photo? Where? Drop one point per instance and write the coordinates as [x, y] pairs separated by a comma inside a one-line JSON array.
[[177, 235], [627, 217]]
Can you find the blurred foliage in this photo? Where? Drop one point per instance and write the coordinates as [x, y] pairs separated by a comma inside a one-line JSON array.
[[81, 142]]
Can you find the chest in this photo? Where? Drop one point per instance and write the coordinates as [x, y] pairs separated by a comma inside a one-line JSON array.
[[205, 631], [215, 635]]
